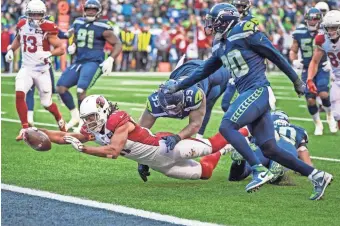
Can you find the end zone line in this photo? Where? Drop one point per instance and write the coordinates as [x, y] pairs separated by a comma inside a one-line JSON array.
[[105, 206]]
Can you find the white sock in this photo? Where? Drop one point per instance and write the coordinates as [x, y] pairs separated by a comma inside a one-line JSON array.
[[316, 118], [310, 176], [327, 109], [30, 116], [74, 113]]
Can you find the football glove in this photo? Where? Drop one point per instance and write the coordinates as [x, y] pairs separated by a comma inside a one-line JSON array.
[[169, 88], [72, 49], [171, 141], [76, 144], [107, 65], [9, 56], [46, 58], [311, 86], [299, 87], [326, 66], [143, 171], [297, 64]]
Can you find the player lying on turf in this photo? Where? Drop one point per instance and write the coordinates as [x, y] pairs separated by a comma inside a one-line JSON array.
[[118, 134], [290, 138]]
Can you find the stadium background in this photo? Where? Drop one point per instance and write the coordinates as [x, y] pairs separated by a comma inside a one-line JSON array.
[[175, 27]]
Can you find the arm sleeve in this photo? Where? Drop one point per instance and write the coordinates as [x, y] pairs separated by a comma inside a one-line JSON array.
[[62, 35], [260, 44], [210, 66]]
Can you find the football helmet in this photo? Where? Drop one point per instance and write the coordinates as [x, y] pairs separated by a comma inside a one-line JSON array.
[[280, 117], [94, 111], [331, 24], [35, 12], [242, 6], [313, 19], [323, 7], [92, 4], [172, 104]]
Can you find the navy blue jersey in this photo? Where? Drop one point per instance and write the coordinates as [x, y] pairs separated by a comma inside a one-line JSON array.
[[292, 133], [243, 52], [90, 40], [193, 97], [306, 43]]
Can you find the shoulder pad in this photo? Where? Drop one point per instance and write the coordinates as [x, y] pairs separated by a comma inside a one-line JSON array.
[[49, 27], [301, 26], [21, 23], [102, 24], [193, 97], [319, 39], [79, 20], [153, 106], [116, 120], [86, 133], [242, 30]]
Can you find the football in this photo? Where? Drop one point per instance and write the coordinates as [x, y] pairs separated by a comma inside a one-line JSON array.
[[37, 139]]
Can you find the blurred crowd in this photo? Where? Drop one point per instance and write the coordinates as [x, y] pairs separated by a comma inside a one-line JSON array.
[[156, 33]]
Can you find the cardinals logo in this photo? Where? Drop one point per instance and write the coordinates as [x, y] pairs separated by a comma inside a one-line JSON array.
[[100, 101]]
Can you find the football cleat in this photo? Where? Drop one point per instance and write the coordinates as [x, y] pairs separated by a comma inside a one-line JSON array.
[[62, 125], [320, 181], [333, 127], [277, 170], [318, 129], [261, 175], [21, 135]]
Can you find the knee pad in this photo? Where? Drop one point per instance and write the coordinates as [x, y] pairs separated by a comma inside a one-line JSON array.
[[326, 101], [268, 148], [312, 109]]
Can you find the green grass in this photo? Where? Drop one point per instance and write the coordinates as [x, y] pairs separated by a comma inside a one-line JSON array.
[[64, 171]]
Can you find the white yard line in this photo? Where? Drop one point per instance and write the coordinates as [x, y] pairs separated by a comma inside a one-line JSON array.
[[105, 206], [138, 109]]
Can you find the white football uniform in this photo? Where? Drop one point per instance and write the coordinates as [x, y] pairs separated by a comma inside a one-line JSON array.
[[35, 67], [333, 54], [146, 148]]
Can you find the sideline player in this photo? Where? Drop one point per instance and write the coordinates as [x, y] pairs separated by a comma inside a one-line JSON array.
[[35, 35], [91, 33], [328, 43], [119, 135], [303, 39]]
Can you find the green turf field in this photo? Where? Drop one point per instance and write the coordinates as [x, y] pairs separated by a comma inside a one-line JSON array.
[[65, 171]]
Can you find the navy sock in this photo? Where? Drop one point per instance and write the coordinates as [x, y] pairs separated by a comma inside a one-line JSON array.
[[326, 102], [279, 155], [68, 100], [264, 161], [229, 131], [312, 109], [30, 99]]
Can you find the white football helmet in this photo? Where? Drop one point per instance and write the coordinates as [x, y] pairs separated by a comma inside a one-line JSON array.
[[331, 24], [323, 7], [94, 111], [35, 12]]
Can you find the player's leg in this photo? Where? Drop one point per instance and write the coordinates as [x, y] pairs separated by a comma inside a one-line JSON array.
[[322, 83], [244, 110], [68, 79], [335, 101], [44, 84], [30, 105], [263, 131], [23, 82]]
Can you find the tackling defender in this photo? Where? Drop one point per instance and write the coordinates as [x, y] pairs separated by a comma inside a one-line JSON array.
[[35, 35], [328, 43], [91, 33], [243, 49], [118, 134], [303, 39]]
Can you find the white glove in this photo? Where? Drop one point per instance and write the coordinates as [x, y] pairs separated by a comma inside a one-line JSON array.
[[76, 144], [107, 65], [9, 56], [46, 58], [297, 64], [72, 49], [326, 66]]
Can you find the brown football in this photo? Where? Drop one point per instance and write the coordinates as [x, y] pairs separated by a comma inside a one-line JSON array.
[[37, 140]]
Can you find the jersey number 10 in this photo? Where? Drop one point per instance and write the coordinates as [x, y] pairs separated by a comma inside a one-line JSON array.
[[84, 34]]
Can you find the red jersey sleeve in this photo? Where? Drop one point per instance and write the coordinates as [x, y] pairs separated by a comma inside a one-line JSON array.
[[117, 119], [319, 39], [85, 133], [49, 27], [21, 23]]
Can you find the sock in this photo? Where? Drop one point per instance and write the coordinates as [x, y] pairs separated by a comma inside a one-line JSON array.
[[208, 164], [217, 142], [316, 117], [74, 113], [68, 100], [30, 99], [21, 108], [30, 116], [313, 110], [54, 110], [310, 176]]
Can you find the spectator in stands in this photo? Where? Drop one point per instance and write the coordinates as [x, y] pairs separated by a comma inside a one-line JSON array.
[[162, 44], [143, 48], [127, 38]]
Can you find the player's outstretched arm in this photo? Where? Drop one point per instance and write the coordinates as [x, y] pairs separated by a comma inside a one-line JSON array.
[[57, 45], [58, 136], [116, 145], [313, 68], [147, 120]]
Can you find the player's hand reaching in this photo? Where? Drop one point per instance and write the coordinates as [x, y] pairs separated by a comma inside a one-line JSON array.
[[171, 141], [72, 49], [107, 65], [326, 66], [76, 144], [311, 86], [9, 56], [169, 88], [299, 87], [143, 171]]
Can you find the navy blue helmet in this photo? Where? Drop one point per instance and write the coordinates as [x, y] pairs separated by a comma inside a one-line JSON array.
[[92, 4], [280, 116], [313, 19], [221, 18], [172, 104]]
